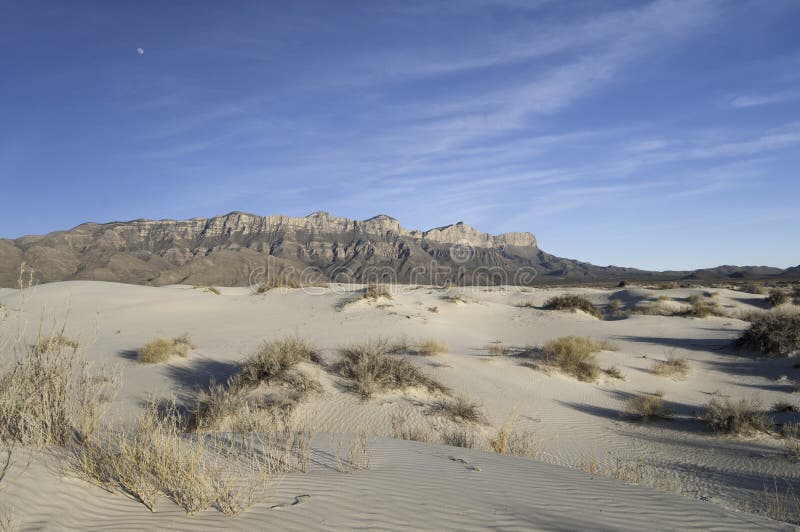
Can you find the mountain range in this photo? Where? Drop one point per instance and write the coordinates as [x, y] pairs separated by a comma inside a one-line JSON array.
[[238, 249]]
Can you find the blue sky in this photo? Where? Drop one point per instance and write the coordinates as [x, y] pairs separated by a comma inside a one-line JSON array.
[[652, 134]]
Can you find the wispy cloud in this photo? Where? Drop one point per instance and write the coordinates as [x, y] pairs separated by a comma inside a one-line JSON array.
[[753, 100]]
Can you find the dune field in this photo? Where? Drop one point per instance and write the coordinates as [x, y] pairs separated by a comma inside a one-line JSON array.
[[490, 427]]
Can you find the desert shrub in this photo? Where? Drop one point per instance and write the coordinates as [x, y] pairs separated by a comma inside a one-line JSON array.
[[675, 367], [431, 347], [752, 288], [777, 297], [460, 437], [377, 291], [784, 406], [232, 404], [459, 409], [162, 349], [403, 430], [655, 308], [703, 309], [796, 295], [496, 349], [738, 418], [574, 356], [456, 298], [152, 457], [615, 373], [616, 309], [49, 396], [791, 433], [775, 334], [371, 369], [509, 441], [572, 302], [526, 303], [275, 358], [56, 342], [646, 407], [433, 310]]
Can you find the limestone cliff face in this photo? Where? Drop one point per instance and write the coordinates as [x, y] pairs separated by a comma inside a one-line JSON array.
[[225, 250]]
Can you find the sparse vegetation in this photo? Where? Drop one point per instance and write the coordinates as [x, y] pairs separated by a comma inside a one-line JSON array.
[[162, 349], [152, 457], [496, 349], [49, 396], [774, 334], [675, 367], [377, 291], [777, 297], [459, 409], [574, 356], [460, 437], [509, 441], [456, 298], [431, 347], [752, 288], [526, 303], [56, 342], [737, 418], [701, 308], [433, 310], [791, 433], [615, 373], [573, 302], [784, 406], [372, 370], [233, 404], [646, 407]]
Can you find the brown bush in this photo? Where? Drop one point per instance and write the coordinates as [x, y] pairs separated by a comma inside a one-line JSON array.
[[738, 418], [162, 349], [573, 302], [574, 356], [774, 334], [372, 370]]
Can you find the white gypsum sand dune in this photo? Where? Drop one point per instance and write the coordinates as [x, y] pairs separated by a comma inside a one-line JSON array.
[[577, 431]]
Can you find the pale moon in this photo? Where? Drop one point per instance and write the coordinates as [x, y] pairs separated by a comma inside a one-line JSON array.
[[140, 51]]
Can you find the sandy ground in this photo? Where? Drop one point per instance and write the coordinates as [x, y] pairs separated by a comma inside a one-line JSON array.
[[705, 481]]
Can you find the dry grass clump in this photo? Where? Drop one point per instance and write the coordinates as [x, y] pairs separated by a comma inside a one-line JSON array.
[[777, 297], [509, 441], [784, 406], [616, 309], [235, 405], [737, 418], [573, 302], [162, 349], [574, 356], [154, 458], [377, 291], [526, 303], [456, 298], [459, 409], [646, 407], [431, 347], [372, 370], [796, 295], [465, 437], [49, 395], [675, 367], [774, 334], [655, 308], [751, 288], [56, 342], [496, 349], [791, 433], [701, 308], [615, 373], [275, 358], [281, 281]]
